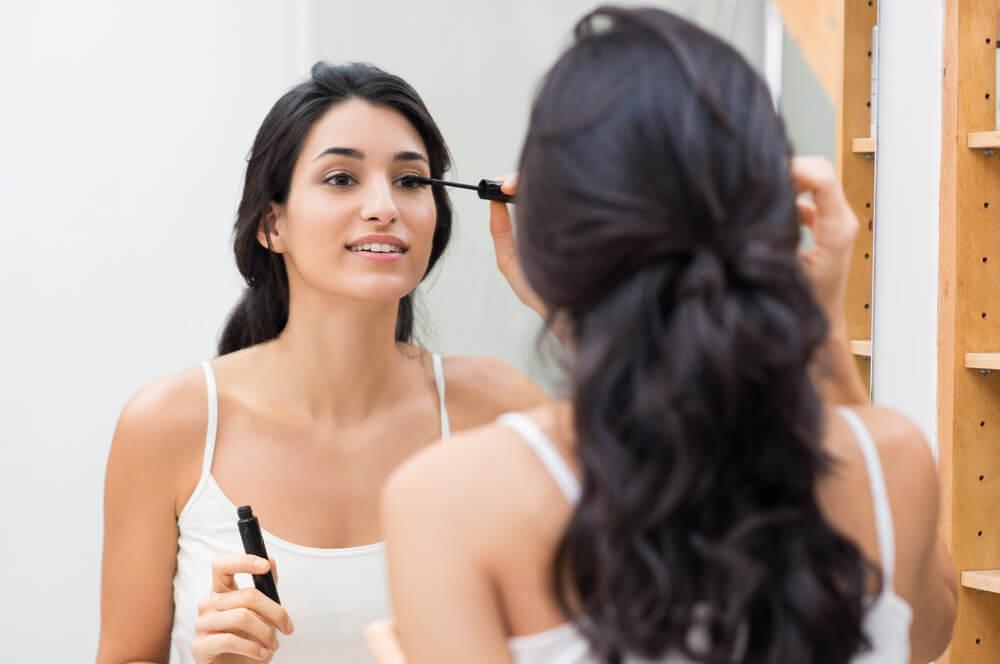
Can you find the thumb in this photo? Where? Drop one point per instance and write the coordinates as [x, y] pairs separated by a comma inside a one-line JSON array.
[[503, 234]]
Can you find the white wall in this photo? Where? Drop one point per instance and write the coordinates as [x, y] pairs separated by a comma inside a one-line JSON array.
[[123, 130], [904, 367]]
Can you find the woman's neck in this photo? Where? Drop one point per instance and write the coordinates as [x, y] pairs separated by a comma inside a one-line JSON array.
[[338, 361]]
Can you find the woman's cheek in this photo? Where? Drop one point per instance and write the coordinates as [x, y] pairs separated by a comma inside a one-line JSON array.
[[424, 218]]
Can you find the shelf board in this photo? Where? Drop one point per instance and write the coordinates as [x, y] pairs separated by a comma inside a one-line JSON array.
[[982, 360], [987, 580], [984, 140], [861, 347], [863, 145]]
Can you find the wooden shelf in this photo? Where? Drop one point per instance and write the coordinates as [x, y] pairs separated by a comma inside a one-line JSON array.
[[861, 347], [984, 140], [863, 146], [982, 360], [967, 400], [987, 580]]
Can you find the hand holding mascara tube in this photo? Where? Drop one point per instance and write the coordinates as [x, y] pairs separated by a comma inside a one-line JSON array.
[[232, 622]]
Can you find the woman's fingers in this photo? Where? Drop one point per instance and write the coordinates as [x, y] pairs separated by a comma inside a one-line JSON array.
[[505, 248], [501, 227], [211, 647], [807, 213], [384, 642], [817, 176], [252, 599], [225, 568], [509, 185], [242, 622], [834, 224]]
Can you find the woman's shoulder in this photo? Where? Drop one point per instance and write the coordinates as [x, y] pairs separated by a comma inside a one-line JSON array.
[[168, 404], [160, 436], [484, 481], [165, 421], [174, 407], [480, 388], [910, 478], [908, 468], [903, 449]]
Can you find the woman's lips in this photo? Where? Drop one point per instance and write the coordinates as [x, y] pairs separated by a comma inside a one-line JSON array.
[[377, 257]]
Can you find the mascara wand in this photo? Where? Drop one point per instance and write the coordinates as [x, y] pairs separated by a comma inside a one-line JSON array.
[[488, 190]]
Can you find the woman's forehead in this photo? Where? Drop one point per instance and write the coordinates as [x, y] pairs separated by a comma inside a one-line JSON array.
[[376, 132]]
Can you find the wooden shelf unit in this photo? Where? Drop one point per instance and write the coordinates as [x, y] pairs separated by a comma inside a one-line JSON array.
[[861, 347], [984, 140], [982, 361], [969, 323], [864, 146], [858, 175], [987, 580]]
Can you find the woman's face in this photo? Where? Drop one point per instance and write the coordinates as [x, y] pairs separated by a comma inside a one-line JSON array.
[[350, 227]]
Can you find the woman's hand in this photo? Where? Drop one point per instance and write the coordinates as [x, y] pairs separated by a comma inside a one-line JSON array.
[[508, 262], [827, 262], [384, 642], [834, 228], [237, 625]]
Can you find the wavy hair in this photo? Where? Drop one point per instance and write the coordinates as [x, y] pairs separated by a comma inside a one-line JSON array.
[[657, 220]]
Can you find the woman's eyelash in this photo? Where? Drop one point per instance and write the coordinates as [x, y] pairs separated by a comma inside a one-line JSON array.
[[409, 181]]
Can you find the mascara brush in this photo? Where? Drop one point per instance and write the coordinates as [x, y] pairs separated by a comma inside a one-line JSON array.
[[488, 190]]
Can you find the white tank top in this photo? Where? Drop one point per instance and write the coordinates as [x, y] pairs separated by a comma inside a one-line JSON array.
[[887, 622], [331, 594]]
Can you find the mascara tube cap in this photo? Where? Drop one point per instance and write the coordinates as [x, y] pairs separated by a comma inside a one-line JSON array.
[[489, 190]]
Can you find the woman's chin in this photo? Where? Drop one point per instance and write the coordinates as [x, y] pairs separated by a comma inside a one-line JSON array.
[[383, 290]]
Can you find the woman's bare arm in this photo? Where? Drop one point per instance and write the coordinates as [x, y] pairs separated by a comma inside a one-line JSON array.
[[146, 461]]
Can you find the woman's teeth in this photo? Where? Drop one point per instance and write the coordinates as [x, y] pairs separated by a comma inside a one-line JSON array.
[[378, 248]]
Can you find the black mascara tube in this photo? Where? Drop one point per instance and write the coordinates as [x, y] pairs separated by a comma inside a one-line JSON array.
[[253, 543]]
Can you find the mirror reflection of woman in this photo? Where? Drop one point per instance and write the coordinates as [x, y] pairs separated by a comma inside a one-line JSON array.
[[703, 494], [318, 393]]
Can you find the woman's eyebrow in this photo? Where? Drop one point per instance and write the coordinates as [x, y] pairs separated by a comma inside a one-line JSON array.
[[354, 153], [409, 155]]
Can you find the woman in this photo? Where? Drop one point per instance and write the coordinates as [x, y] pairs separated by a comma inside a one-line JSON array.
[[700, 496], [318, 393]]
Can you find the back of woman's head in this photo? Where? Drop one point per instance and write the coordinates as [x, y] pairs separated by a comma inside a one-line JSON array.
[[262, 312], [657, 220]]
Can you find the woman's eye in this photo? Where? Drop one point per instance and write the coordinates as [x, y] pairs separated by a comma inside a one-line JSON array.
[[339, 180], [409, 181]]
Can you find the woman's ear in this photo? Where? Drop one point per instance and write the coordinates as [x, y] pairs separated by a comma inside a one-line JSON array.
[[269, 232]]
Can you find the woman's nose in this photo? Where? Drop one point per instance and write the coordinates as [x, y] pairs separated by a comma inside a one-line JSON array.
[[378, 205]]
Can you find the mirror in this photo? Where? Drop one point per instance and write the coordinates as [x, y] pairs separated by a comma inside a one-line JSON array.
[[125, 128]]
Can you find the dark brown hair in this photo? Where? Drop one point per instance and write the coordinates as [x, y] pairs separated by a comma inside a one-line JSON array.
[[657, 219]]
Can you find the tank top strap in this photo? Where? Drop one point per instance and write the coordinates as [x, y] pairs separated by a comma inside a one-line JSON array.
[[880, 497], [546, 452], [213, 419], [442, 405]]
